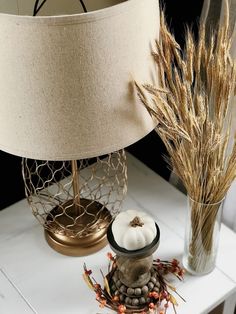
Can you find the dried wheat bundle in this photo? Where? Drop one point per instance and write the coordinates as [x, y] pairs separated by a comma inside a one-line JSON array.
[[193, 108]]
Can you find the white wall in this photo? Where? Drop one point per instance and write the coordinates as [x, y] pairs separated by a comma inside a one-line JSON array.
[[53, 7]]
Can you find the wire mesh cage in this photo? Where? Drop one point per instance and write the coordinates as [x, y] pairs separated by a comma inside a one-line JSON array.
[[75, 201]]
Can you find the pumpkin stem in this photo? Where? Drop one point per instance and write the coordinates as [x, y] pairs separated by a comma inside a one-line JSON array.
[[136, 222]]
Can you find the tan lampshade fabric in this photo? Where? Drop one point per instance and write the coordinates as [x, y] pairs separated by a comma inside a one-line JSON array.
[[66, 88]]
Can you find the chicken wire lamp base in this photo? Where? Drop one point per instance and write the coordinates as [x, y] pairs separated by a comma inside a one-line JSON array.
[[75, 201], [62, 241]]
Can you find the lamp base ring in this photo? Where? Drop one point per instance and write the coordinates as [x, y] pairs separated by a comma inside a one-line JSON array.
[[75, 250]]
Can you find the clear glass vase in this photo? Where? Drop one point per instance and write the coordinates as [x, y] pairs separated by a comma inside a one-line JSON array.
[[201, 236]]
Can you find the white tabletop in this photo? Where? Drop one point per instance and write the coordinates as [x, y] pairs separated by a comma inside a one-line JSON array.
[[36, 279]]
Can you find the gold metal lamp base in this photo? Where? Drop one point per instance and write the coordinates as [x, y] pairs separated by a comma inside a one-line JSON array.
[[91, 227]]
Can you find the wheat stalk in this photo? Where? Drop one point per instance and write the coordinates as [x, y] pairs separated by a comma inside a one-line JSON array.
[[193, 107]]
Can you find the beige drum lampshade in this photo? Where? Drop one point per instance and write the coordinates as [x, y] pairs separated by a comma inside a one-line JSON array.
[[66, 88]]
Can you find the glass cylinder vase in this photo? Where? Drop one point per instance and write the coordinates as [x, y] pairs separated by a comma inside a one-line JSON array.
[[202, 236]]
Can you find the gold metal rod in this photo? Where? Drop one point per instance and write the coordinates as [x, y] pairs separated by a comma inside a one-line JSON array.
[[75, 182]]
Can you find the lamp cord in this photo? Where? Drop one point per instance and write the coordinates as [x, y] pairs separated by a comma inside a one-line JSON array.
[[38, 8]]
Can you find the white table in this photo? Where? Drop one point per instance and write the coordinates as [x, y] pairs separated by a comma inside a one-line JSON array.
[[35, 279]]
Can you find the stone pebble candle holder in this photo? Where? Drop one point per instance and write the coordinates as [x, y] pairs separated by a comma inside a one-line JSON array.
[[135, 282], [134, 237]]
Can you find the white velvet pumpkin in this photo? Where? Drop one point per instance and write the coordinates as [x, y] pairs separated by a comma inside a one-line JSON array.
[[133, 237]]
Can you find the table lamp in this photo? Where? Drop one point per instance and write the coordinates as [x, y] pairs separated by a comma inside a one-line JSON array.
[[66, 98]]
